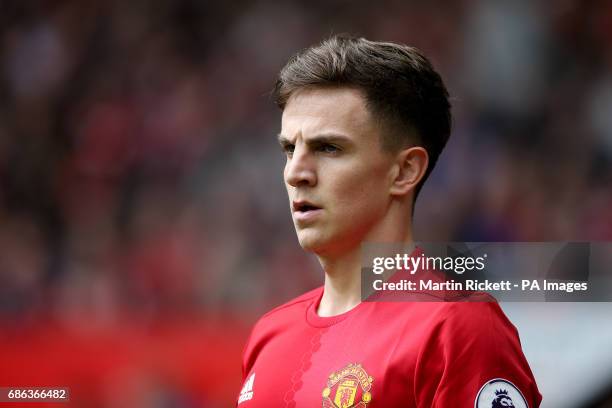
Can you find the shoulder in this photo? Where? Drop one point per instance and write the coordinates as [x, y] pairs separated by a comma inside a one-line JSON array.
[[287, 313], [294, 305], [280, 321], [477, 323], [471, 347], [450, 326], [475, 338], [306, 298], [476, 318], [476, 311]]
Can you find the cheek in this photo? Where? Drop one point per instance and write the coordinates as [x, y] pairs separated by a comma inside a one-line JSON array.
[[362, 195]]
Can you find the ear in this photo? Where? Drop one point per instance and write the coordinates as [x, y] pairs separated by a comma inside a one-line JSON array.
[[410, 168]]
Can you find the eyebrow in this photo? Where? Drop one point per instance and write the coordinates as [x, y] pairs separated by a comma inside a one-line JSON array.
[[318, 139]]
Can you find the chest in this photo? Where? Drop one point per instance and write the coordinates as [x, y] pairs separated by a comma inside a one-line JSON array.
[[349, 365]]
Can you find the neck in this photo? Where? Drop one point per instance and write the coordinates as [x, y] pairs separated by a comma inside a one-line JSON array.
[[342, 287]]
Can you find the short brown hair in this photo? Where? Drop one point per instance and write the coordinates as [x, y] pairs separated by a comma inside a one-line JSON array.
[[400, 85]]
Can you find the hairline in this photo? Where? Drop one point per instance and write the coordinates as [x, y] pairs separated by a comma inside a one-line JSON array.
[[383, 124]]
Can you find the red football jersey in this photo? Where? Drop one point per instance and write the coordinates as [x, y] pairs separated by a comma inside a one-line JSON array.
[[386, 354]]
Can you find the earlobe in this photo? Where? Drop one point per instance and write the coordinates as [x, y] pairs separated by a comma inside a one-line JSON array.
[[409, 170]]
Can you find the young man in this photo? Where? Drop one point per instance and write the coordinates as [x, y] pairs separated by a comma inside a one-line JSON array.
[[363, 124]]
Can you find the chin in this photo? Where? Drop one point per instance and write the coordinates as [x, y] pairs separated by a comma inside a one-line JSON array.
[[310, 241], [324, 245]]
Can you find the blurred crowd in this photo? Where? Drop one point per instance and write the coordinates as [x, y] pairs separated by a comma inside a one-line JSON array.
[[139, 171]]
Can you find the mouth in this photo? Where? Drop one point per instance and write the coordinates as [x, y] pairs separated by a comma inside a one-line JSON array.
[[304, 207], [305, 212]]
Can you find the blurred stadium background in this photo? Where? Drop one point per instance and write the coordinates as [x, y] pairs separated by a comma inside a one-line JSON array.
[[144, 224]]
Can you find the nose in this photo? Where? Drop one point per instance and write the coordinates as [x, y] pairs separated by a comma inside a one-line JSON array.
[[300, 168]]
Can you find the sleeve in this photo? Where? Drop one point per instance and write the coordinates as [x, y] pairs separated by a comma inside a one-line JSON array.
[[473, 358]]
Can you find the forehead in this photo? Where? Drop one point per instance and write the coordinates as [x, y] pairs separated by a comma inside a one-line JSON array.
[[312, 111]]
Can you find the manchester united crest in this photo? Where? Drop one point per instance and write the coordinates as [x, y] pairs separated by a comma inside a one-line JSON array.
[[348, 388]]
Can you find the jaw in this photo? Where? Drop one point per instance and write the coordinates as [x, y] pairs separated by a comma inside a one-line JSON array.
[[325, 243], [337, 242], [310, 239]]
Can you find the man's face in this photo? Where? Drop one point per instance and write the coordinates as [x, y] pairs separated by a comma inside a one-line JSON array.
[[337, 175]]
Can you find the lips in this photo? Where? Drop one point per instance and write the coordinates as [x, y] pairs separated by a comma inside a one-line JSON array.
[[305, 212], [304, 206]]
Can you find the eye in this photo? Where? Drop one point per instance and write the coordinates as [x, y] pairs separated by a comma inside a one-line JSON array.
[[328, 148], [288, 149]]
